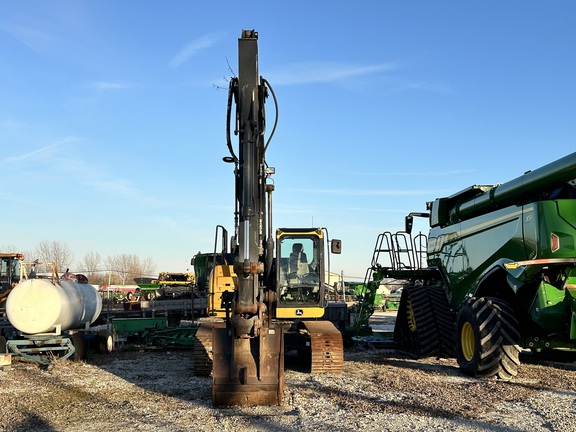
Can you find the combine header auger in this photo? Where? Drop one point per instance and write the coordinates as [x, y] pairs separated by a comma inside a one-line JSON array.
[[501, 273], [260, 289]]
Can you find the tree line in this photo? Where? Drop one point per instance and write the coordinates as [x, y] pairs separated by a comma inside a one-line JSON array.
[[118, 269]]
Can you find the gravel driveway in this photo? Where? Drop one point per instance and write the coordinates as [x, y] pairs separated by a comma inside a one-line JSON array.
[[379, 390]]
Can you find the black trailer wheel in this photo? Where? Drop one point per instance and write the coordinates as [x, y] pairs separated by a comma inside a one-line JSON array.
[[487, 339], [3, 348], [80, 347], [105, 342]]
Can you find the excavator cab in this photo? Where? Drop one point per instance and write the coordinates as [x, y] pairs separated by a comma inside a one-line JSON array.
[[300, 273]]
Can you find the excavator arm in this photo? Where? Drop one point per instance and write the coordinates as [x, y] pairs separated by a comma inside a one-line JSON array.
[[248, 366]]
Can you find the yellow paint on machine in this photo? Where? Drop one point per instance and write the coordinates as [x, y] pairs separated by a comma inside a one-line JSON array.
[[302, 312]]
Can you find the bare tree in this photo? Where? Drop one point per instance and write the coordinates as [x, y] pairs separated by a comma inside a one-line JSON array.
[[124, 268], [148, 268], [28, 255], [91, 267], [115, 270], [55, 251], [9, 249]]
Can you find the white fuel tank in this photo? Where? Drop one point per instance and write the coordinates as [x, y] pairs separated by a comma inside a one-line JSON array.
[[39, 306]]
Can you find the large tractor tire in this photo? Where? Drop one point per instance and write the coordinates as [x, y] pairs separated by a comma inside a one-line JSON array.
[[487, 339]]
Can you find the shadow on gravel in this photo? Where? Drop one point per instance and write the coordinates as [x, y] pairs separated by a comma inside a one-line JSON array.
[[33, 422], [377, 403], [564, 360], [169, 373]]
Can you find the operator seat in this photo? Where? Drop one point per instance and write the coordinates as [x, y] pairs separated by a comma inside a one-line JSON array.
[[298, 260]]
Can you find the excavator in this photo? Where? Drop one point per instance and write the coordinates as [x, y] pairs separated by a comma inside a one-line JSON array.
[[269, 288]]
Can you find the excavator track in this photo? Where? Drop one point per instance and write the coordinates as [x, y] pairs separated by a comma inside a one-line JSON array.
[[203, 354], [327, 348]]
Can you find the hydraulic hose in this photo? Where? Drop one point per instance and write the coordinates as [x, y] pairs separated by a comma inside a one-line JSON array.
[[232, 92], [267, 84]]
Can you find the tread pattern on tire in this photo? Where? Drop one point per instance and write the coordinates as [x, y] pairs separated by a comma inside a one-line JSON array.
[[424, 324], [496, 327]]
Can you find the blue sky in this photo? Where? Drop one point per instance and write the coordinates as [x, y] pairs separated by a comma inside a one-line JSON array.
[[112, 115]]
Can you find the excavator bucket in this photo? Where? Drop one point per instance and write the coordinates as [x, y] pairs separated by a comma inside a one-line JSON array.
[[248, 372]]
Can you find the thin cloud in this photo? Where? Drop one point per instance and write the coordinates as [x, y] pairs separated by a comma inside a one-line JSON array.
[[98, 179], [41, 152], [413, 173], [193, 48], [110, 85], [116, 186], [31, 37], [315, 72], [439, 88], [364, 192], [11, 124], [59, 162]]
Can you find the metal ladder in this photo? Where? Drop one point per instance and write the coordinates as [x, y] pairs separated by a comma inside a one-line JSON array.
[[398, 251]]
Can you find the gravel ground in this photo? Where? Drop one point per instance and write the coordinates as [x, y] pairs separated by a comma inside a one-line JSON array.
[[379, 389]]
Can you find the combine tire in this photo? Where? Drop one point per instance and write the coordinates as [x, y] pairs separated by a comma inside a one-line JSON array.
[[487, 339]]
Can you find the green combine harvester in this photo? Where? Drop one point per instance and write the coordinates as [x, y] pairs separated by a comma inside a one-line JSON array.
[[495, 275]]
